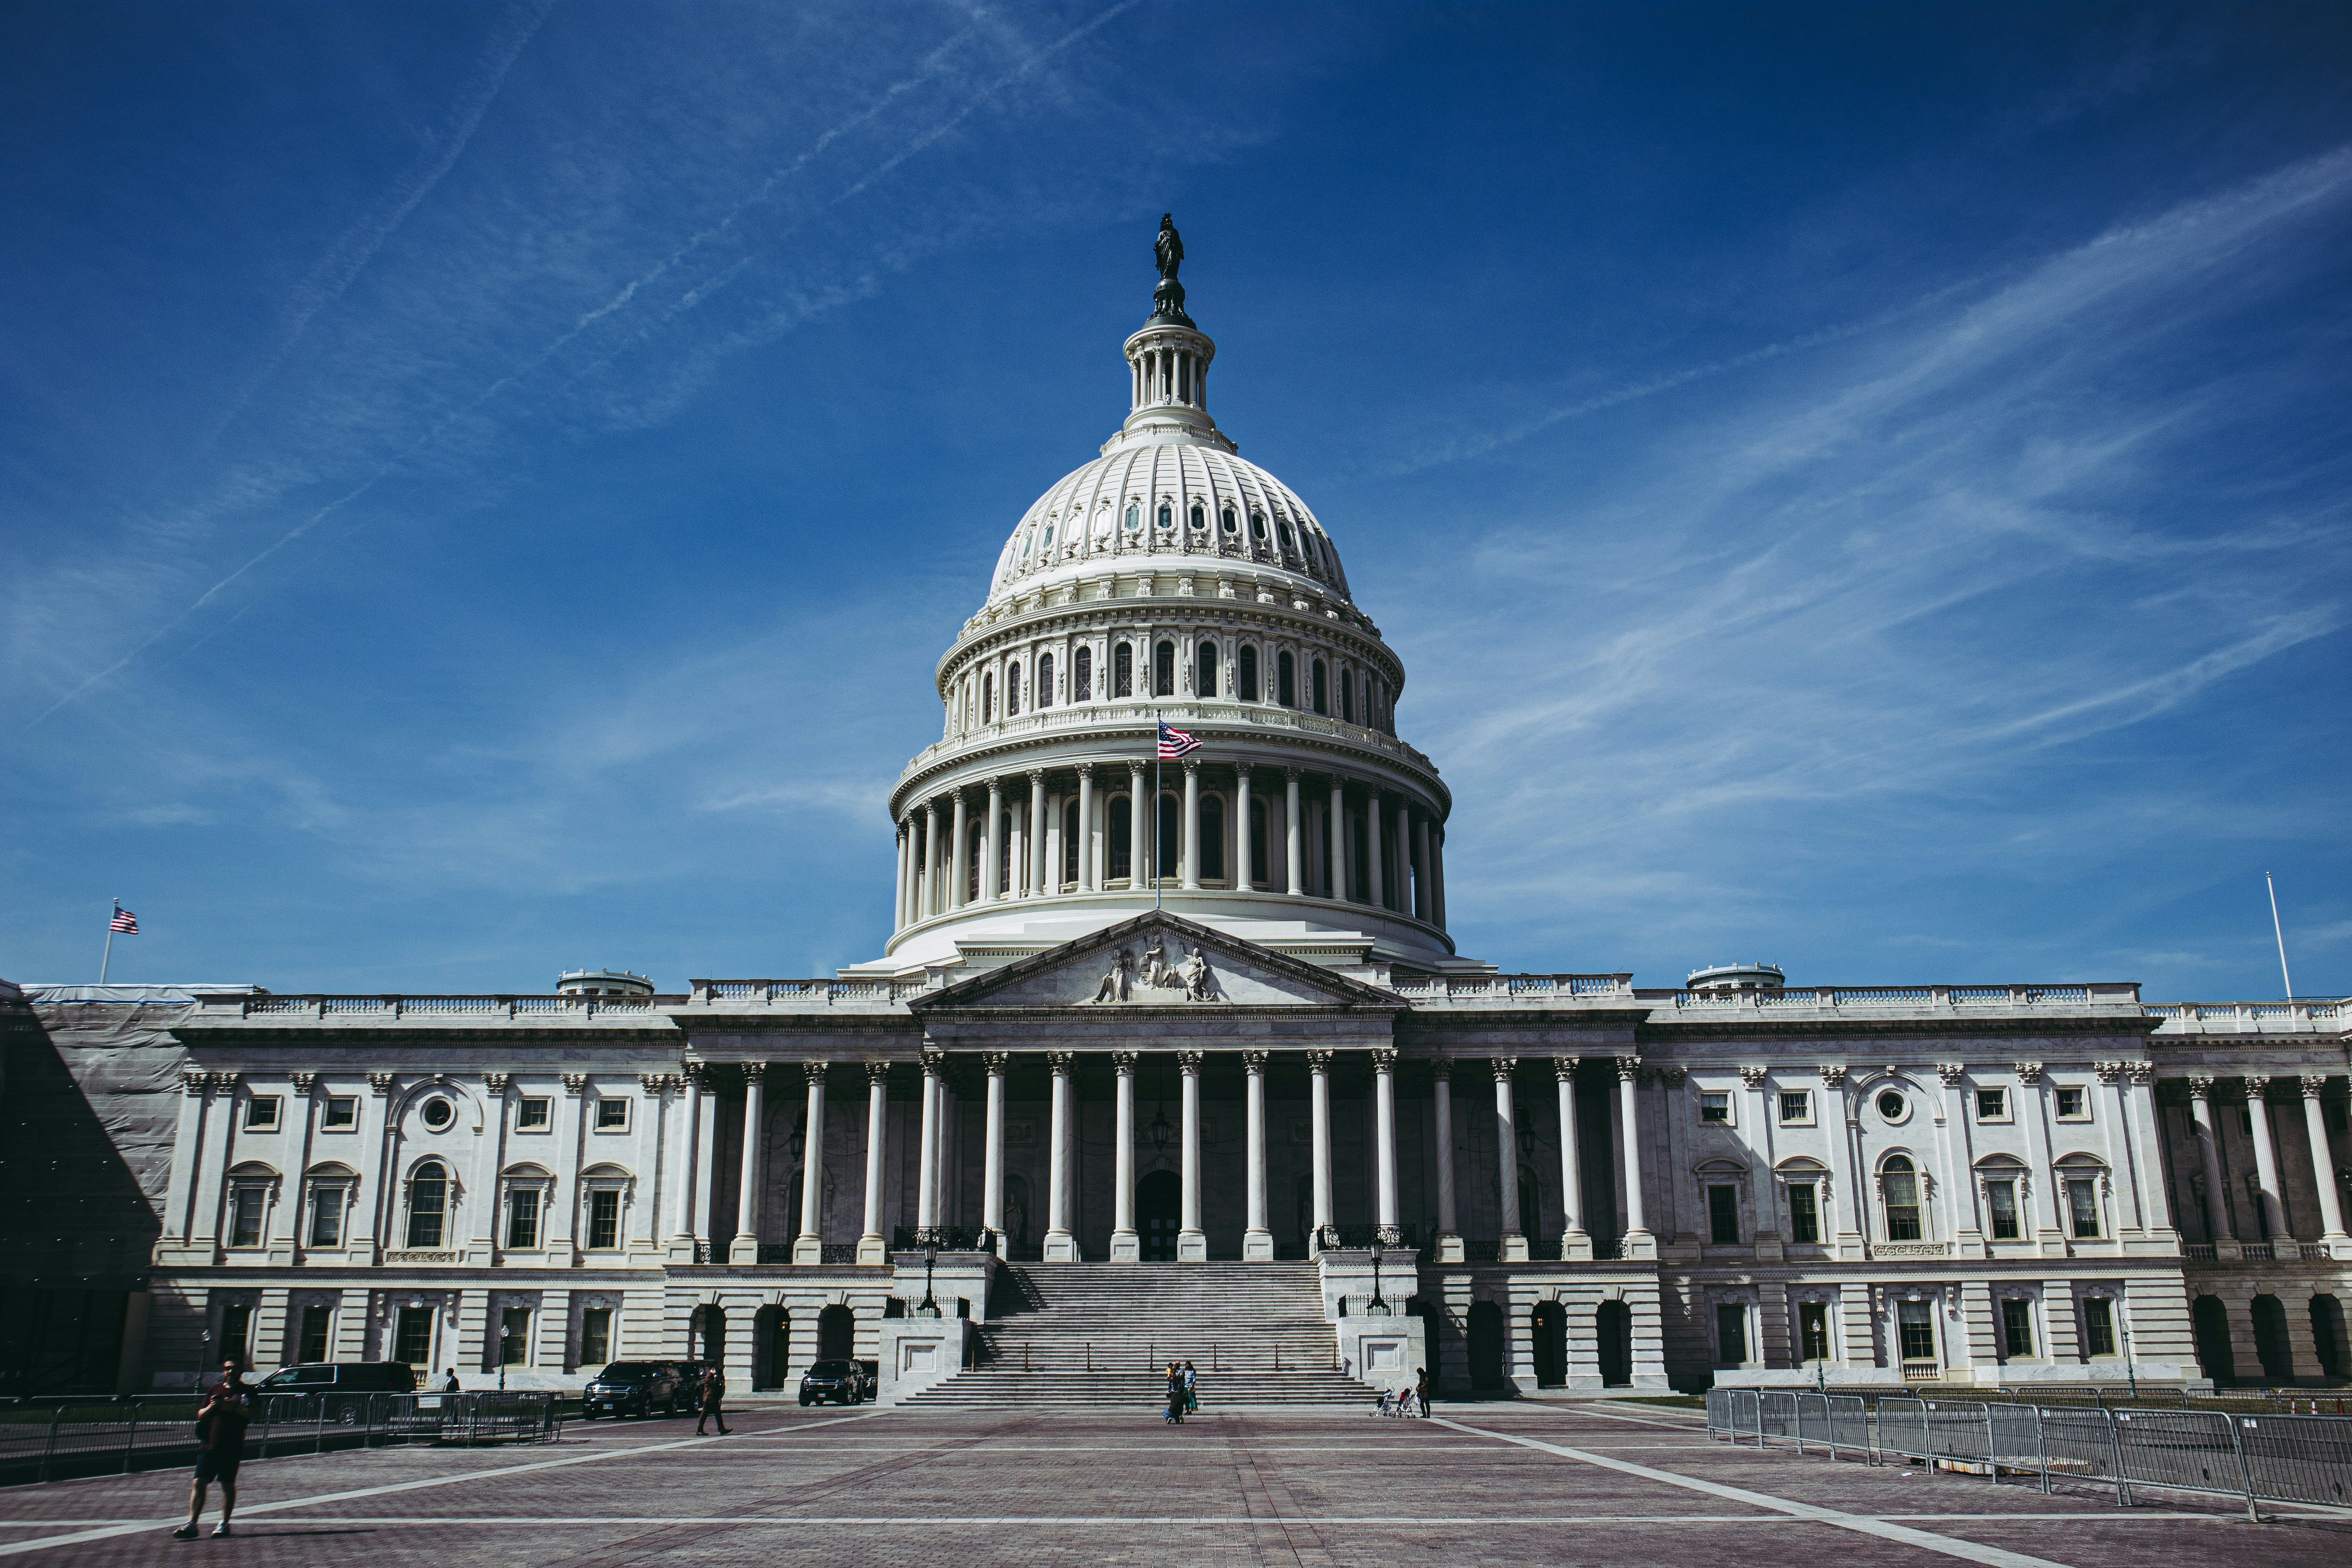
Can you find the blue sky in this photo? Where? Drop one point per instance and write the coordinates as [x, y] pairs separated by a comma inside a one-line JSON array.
[[484, 487]]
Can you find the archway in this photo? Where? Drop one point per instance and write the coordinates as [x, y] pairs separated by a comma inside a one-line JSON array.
[[2270, 1347], [836, 1335], [2328, 1333], [707, 1334], [1159, 1208], [1485, 1343], [2209, 1324], [1549, 1324], [771, 1349], [1614, 1328]]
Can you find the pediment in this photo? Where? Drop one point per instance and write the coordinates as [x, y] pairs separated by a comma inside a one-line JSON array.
[[1158, 960]]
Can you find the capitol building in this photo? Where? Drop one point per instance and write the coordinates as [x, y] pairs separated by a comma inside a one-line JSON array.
[[1176, 1057]]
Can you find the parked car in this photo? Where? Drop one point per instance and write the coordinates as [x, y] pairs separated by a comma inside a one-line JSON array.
[[841, 1381], [631, 1388], [345, 1386]]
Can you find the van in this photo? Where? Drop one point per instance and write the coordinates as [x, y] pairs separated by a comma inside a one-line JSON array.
[[345, 1386]]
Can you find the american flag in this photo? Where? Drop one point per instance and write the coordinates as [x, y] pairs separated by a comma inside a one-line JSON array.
[[124, 921], [1174, 744]]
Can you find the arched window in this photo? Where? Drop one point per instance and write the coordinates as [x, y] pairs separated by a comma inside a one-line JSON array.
[[1164, 669], [1171, 832], [1167, 515], [1073, 835], [1199, 516], [988, 698], [1245, 673], [1012, 689], [1898, 1186], [428, 1203], [1347, 696], [1121, 821], [1259, 870], [1123, 671], [1213, 837], [1206, 686], [1044, 680], [1082, 676], [1285, 681], [1322, 704]]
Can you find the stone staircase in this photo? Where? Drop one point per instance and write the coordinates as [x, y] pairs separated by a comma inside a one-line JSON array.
[[1103, 1333]]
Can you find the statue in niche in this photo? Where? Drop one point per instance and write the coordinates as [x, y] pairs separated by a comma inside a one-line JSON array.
[[1114, 984]]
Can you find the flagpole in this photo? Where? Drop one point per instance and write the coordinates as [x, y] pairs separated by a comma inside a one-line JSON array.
[[2280, 934], [1155, 810], [109, 959]]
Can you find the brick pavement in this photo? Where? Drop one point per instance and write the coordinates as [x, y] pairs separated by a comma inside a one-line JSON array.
[[1499, 1484]]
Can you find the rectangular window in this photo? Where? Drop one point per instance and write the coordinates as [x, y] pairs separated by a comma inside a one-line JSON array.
[[342, 1115], [2000, 1198], [246, 1229], [604, 1219], [514, 1337], [261, 1113], [1715, 1106], [1730, 1333], [531, 1114], [1804, 1214], [2082, 1207], [1993, 1105], [412, 1336], [1813, 1330], [522, 1218], [326, 1216], [595, 1336], [2073, 1103], [236, 1335], [612, 1116], [1915, 1330], [1796, 1108], [2098, 1326], [2016, 1327], [1723, 1216], [318, 1328]]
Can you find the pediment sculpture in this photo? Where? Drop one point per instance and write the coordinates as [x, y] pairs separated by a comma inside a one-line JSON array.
[[1130, 979]]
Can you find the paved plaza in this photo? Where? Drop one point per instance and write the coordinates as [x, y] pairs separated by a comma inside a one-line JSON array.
[[1480, 1484]]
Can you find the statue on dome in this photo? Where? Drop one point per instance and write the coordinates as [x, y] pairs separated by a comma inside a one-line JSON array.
[[1168, 298]]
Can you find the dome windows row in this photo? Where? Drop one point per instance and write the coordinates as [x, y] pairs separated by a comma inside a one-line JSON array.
[[1208, 526], [1302, 679]]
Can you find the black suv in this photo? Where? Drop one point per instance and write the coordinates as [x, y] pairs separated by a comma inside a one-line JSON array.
[[343, 1385], [631, 1388], [844, 1382]]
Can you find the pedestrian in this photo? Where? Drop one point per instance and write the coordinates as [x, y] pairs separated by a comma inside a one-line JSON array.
[[221, 1421], [1420, 1387], [448, 1383], [1191, 1389], [711, 1389], [1175, 1417]]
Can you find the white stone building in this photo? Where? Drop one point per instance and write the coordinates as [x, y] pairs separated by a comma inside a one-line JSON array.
[[1233, 1027]]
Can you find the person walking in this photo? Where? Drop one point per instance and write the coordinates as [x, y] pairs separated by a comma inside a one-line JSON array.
[[221, 1421], [1420, 1387], [1191, 1389], [1175, 1417], [712, 1388], [448, 1383]]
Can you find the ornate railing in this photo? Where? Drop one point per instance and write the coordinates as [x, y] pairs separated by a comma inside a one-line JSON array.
[[2201, 1252], [1930, 997], [1357, 1238], [1516, 988], [494, 1007], [946, 1237], [1476, 1250], [2256, 1252], [708, 991], [1127, 710]]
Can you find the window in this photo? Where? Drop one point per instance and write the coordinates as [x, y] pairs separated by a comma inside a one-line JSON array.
[[1804, 1214], [1012, 690], [1285, 685], [1070, 836], [612, 1115], [1123, 671], [1044, 680], [1915, 1330], [1730, 1333], [1893, 1106], [1082, 676], [1796, 1108], [1121, 814], [261, 1113], [428, 1203], [522, 1219], [595, 1336], [2016, 1327], [1993, 1105], [1164, 669], [2098, 1326], [244, 1227], [437, 1114], [1723, 1214], [605, 1219], [1232, 523], [1259, 871], [412, 1336], [2082, 1207], [317, 1334], [1282, 528], [1813, 1330], [2000, 1201], [1899, 1185], [342, 1115], [1168, 842], [1347, 698], [1257, 524], [1322, 704], [1212, 839], [1206, 685], [514, 1337], [988, 698], [1167, 515], [326, 1215], [533, 1113], [236, 1333], [1715, 1106], [1199, 516], [1246, 674], [1134, 518], [2073, 1103]]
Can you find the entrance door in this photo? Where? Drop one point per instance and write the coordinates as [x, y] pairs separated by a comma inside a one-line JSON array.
[[1159, 1206]]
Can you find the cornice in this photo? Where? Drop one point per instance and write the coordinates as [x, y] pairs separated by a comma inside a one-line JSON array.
[[2008, 1027]]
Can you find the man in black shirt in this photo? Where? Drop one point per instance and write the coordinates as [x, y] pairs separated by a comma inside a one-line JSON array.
[[220, 1447]]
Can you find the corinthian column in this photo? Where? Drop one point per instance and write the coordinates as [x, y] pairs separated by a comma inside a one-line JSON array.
[[1245, 870], [746, 1246], [1189, 835], [1258, 1240], [1384, 1161], [1375, 851], [1124, 1246], [870, 1249], [1574, 1242], [1639, 1243], [1449, 1224], [1061, 1246], [927, 1166], [808, 1246], [1338, 834], [2266, 1159], [2323, 1164], [956, 884], [1087, 827], [1318, 1095], [1192, 1241], [1507, 1156], [2221, 1227], [991, 838], [1294, 847], [1038, 884], [991, 1168]]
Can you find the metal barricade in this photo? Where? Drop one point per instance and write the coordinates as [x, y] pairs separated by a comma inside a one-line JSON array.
[[1959, 1430], [1849, 1424], [2191, 1450], [1814, 1421], [1718, 1412], [1903, 1429], [2297, 1459], [1776, 1415], [2015, 1436]]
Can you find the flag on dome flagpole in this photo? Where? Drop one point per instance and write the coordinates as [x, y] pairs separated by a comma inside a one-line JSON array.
[[124, 921], [1174, 744]]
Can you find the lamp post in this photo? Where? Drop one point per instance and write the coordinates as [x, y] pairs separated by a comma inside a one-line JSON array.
[[930, 1309], [1376, 1307], [2131, 1372]]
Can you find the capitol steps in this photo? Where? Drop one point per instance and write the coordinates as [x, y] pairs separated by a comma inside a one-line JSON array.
[[1102, 1334]]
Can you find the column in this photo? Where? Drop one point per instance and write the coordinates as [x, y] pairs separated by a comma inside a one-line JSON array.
[[746, 1246], [956, 883], [1061, 1246], [1258, 1240], [1958, 1174], [992, 1157], [992, 842], [870, 1247], [1421, 866], [1125, 1248], [1244, 869], [1294, 848], [2147, 1134], [808, 1246], [1086, 827], [1384, 1164], [1449, 1224], [1189, 833], [2323, 1164], [1338, 824], [1142, 822], [1437, 876], [1375, 851], [1506, 1155], [928, 901], [2267, 1160], [898, 902], [690, 1177], [1638, 1240], [1318, 1083], [1051, 854], [1574, 1241], [2221, 1227], [1402, 899], [1192, 1242], [1039, 885], [927, 1168]]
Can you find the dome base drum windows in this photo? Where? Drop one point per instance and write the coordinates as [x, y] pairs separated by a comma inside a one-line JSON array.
[[1044, 680], [1205, 682], [1123, 671], [1245, 673], [1082, 676]]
